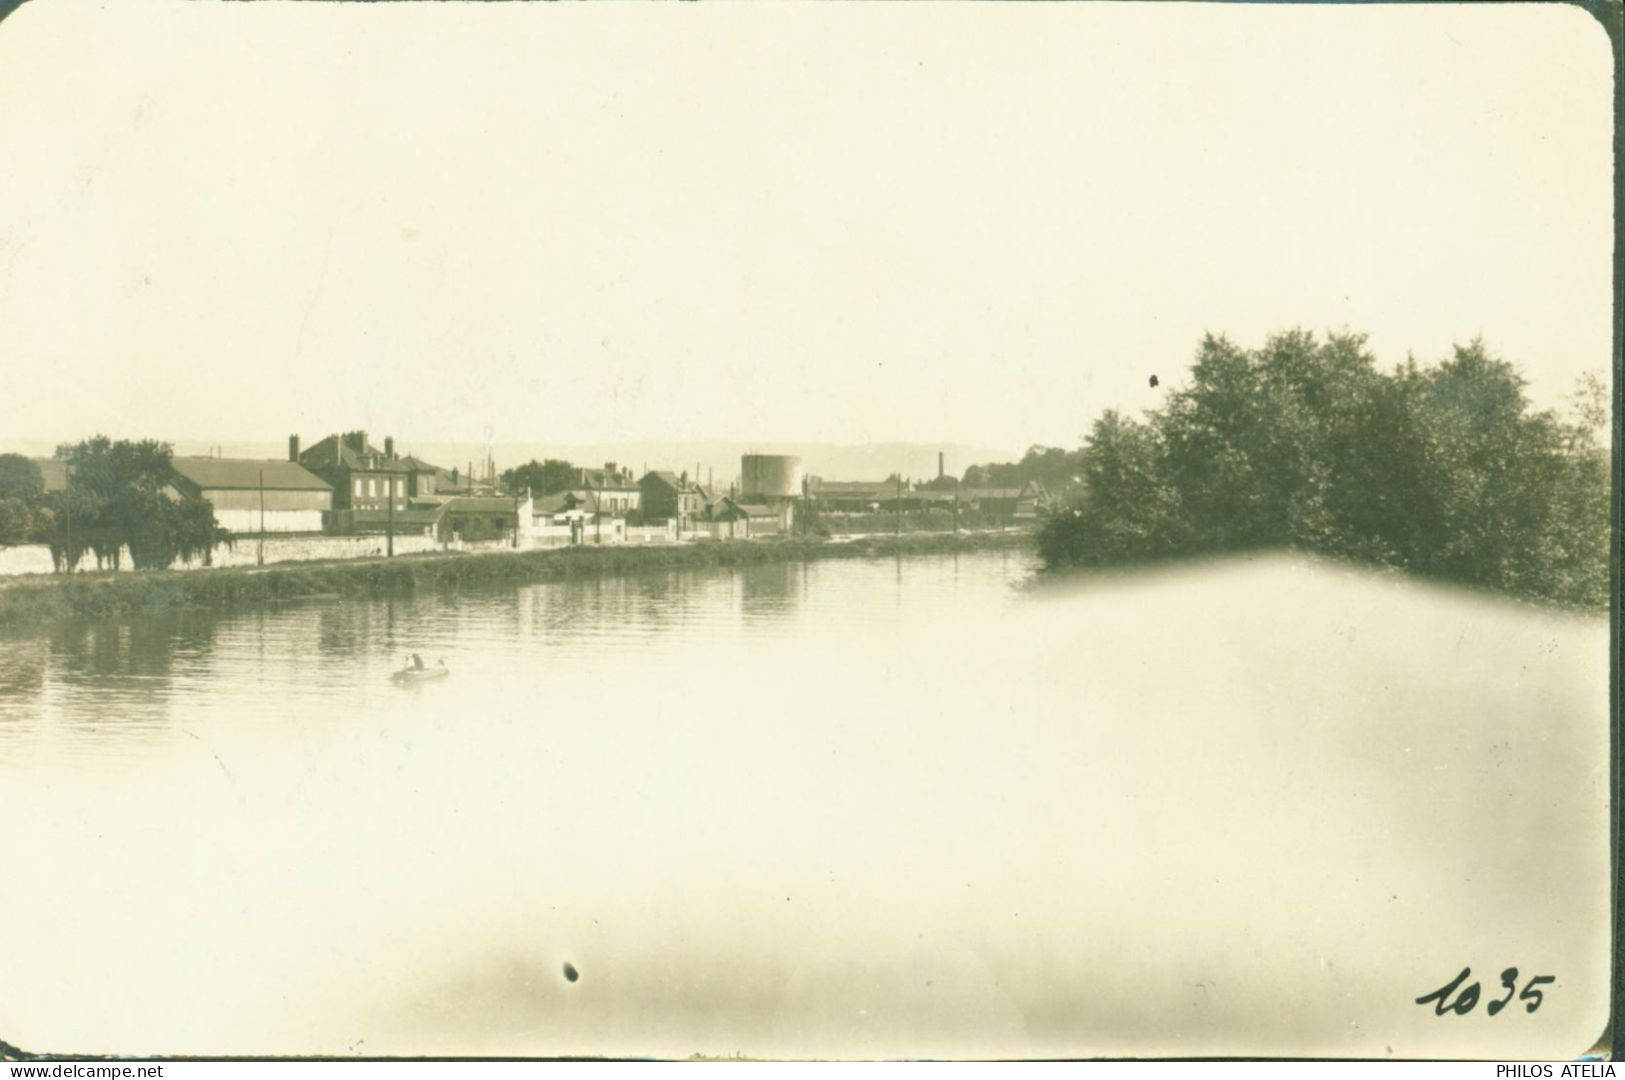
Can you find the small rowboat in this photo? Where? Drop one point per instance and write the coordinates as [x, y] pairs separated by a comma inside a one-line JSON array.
[[424, 674]]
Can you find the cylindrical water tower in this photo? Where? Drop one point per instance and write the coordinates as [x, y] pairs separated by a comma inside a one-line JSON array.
[[767, 477]]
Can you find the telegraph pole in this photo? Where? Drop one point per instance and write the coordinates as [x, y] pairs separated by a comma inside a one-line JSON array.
[[261, 557], [389, 517], [67, 512], [899, 505]]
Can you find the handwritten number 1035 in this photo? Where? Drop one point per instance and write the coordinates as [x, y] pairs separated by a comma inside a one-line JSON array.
[[1467, 997]]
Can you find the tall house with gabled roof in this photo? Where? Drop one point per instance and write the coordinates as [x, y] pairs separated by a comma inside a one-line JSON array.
[[363, 477]]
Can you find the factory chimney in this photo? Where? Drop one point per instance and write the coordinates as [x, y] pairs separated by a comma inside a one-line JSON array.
[[939, 464], [389, 447], [293, 448]]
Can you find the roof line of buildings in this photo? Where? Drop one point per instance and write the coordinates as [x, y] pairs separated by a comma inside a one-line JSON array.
[[344, 483]]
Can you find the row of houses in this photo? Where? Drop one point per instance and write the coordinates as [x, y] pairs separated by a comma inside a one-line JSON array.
[[345, 485]]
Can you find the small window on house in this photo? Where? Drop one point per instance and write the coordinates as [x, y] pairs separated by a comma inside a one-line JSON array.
[[372, 486], [358, 485], [400, 487]]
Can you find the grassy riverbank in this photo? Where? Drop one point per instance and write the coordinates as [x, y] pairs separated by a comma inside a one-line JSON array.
[[29, 602]]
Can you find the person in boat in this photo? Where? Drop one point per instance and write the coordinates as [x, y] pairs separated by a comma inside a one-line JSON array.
[[417, 662]]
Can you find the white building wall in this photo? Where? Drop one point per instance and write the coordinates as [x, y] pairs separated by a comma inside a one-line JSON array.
[[276, 521]]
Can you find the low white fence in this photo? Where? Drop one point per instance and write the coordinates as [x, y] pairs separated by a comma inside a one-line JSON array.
[[36, 558], [245, 551], [651, 534]]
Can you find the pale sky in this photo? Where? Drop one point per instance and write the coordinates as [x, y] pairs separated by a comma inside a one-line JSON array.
[[970, 221]]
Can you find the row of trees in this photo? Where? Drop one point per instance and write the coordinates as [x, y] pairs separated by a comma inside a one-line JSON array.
[[1056, 469], [119, 499], [542, 477], [1444, 470]]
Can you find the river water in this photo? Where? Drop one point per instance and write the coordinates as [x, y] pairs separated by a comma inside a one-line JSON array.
[[866, 807]]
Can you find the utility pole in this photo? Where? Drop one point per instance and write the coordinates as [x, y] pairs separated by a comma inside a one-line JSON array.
[[67, 512], [956, 506], [261, 556], [899, 505], [389, 517], [516, 515]]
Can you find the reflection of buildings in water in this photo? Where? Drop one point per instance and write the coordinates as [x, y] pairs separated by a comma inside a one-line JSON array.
[[125, 671], [22, 669], [772, 591], [644, 606], [143, 649], [344, 629]]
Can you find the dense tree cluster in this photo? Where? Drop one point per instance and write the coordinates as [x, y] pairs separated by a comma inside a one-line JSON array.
[[119, 498], [23, 516], [1443, 470], [1056, 469], [542, 477]]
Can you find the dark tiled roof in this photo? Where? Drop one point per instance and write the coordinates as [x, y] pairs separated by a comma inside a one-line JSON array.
[[333, 452], [557, 502], [665, 476], [402, 519], [560, 501], [853, 488], [609, 481], [672, 480], [241, 473], [478, 504]]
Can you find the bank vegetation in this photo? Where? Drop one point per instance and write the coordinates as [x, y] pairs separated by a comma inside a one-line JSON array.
[[33, 601]]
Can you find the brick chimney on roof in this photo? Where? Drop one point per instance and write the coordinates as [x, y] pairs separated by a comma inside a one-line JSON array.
[[389, 447], [293, 448]]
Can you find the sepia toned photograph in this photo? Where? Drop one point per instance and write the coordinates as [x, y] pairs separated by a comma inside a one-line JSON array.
[[810, 531]]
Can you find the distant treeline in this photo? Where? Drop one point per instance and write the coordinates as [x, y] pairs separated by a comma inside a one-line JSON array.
[[1444, 470]]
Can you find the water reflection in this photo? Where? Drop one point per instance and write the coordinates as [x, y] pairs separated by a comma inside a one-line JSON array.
[[754, 809], [22, 667], [771, 592], [329, 659]]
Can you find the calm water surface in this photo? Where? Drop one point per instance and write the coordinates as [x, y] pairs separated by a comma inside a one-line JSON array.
[[849, 808], [105, 692]]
